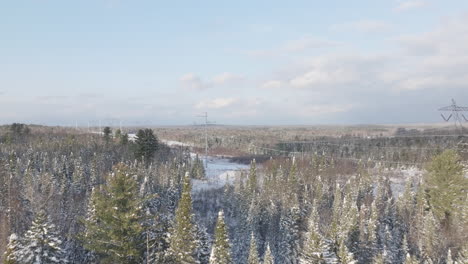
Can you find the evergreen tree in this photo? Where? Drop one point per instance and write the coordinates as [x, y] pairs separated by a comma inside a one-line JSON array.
[[268, 257], [410, 259], [252, 181], [107, 133], [449, 258], [146, 145], [124, 139], [198, 170], [343, 254], [314, 243], [11, 255], [183, 245], [221, 250], [118, 134], [42, 244], [253, 252], [430, 237], [379, 259], [289, 230], [113, 228], [445, 185], [203, 245]]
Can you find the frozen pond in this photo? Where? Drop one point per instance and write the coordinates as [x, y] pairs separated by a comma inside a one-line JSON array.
[[220, 172]]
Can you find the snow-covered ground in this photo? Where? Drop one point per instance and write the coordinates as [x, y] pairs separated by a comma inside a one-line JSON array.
[[132, 137], [219, 173], [172, 143], [400, 176]]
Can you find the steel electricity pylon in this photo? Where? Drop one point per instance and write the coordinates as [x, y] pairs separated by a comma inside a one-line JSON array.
[[205, 116], [456, 114]]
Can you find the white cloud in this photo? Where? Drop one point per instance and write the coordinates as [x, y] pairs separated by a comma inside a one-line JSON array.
[[216, 103], [326, 71], [225, 78], [195, 82], [365, 26], [409, 5], [273, 84], [307, 42], [427, 62], [298, 45]]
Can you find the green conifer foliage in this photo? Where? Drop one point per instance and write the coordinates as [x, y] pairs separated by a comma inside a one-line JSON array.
[[13, 250], [252, 181], [410, 259], [314, 244], [107, 134], [253, 252], [344, 256], [379, 259], [445, 185], [430, 238], [268, 257], [42, 243], [146, 145], [221, 251], [183, 246], [113, 227]]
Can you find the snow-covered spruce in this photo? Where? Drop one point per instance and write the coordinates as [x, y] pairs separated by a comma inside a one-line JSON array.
[[41, 243]]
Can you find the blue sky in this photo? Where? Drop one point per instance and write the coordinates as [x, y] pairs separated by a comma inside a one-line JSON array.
[[244, 62]]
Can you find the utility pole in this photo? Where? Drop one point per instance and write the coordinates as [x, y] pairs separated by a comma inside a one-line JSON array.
[[205, 115]]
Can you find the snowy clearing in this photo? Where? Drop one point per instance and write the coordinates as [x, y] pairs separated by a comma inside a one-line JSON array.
[[219, 173]]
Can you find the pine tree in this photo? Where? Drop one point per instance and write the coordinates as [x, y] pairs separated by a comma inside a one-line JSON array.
[[430, 239], [203, 245], [379, 259], [221, 251], [198, 170], [343, 254], [252, 181], [146, 145], [445, 185], [124, 139], [183, 245], [410, 259], [314, 243], [42, 243], [289, 230], [268, 257], [449, 258], [253, 252], [113, 227], [107, 134], [13, 250], [334, 229]]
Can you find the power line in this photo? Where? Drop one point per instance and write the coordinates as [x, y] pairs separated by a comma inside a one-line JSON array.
[[348, 143], [337, 158]]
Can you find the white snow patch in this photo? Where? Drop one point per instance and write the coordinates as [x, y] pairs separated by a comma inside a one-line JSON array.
[[172, 143], [219, 173]]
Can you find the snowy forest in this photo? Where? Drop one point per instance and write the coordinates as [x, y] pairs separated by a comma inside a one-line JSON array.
[[69, 196]]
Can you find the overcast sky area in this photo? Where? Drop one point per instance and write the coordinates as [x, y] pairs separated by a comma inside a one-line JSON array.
[[244, 62]]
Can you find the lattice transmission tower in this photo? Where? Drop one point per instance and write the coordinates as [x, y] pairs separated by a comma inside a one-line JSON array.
[[456, 114]]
